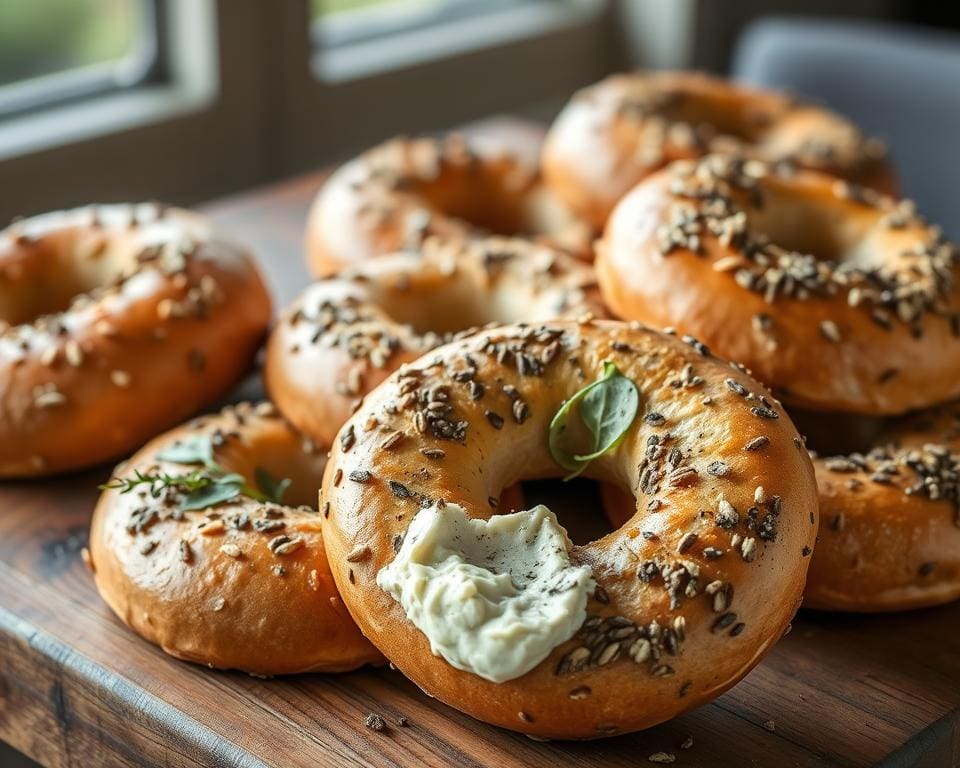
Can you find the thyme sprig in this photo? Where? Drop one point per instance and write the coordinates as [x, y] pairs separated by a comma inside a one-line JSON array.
[[204, 487]]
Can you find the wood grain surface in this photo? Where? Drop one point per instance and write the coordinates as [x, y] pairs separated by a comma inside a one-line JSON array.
[[78, 689]]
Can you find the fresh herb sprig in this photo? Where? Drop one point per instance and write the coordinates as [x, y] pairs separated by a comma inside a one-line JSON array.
[[607, 407], [206, 486]]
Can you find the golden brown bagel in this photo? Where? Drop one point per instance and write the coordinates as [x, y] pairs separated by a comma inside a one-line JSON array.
[[890, 538], [837, 298], [346, 334], [616, 132], [394, 196], [687, 599], [118, 321], [241, 585]]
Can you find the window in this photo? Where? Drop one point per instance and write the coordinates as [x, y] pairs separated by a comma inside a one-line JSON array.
[[185, 100], [54, 51], [337, 22], [354, 39]]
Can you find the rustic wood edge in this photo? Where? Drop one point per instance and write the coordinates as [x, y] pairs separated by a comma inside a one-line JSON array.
[[78, 706]]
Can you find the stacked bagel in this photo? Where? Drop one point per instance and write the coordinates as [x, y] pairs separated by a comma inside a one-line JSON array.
[[459, 341]]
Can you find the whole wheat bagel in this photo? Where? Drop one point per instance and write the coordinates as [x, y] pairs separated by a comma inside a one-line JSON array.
[[347, 333], [107, 312], [613, 134], [837, 298], [239, 584], [659, 616], [397, 194]]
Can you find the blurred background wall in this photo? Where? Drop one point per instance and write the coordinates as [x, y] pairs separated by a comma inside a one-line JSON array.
[[184, 100]]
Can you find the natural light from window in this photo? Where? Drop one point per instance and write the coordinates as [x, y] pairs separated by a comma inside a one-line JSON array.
[[56, 50]]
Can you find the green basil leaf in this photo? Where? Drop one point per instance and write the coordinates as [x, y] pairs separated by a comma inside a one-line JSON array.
[[216, 492], [191, 450], [272, 487], [608, 411], [607, 408]]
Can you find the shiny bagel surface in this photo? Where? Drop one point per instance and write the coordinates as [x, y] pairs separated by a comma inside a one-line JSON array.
[[347, 333], [837, 298], [119, 322], [613, 134], [240, 585], [890, 538], [396, 195], [692, 591]]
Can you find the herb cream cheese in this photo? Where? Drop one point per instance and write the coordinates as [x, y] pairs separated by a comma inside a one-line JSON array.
[[493, 597]]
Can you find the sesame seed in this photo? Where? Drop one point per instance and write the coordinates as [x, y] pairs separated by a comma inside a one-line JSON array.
[[718, 468], [231, 550], [49, 399], [120, 378], [73, 353], [686, 542], [358, 553], [829, 331]]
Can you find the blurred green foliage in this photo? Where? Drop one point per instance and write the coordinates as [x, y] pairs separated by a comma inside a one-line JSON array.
[[39, 37], [321, 8]]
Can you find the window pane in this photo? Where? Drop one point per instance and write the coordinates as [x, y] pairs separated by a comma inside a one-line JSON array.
[[338, 22], [45, 37], [326, 8]]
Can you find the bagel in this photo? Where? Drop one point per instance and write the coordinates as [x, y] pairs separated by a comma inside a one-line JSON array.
[[890, 538], [397, 194], [106, 311], [242, 584], [527, 631], [839, 299], [614, 133], [360, 326]]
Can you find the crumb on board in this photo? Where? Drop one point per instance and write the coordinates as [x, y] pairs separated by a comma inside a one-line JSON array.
[[375, 723]]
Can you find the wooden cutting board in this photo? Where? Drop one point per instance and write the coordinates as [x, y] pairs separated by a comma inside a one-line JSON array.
[[78, 689]]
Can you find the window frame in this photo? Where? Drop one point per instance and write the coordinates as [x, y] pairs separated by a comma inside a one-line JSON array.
[[237, 103], [144, 64]]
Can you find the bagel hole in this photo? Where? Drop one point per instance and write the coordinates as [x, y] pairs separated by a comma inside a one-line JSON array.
[[52, 279], [832, 434], [576, 503], [461, 306], [712, 117], [799, 223]]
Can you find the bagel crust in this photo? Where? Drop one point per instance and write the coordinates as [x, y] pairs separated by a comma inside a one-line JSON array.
[[240, 585], [396, 195], [119, 321], [690, 593], [837, 298], [346, 334], [890, 538], [613, 134]]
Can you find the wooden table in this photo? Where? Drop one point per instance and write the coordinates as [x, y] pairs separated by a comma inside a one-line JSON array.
[[78, 688]]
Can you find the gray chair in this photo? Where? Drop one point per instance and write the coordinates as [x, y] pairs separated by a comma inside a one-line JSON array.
[[899, 83]]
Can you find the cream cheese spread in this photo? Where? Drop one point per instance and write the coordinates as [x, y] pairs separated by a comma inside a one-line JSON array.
[[493, 597]]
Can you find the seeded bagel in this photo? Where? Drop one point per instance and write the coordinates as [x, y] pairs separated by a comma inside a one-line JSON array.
[[346, 334], [890, 538], [613, 134], [240, 583], [117, 322], [396, 195], [837, 298], [677, 605]]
